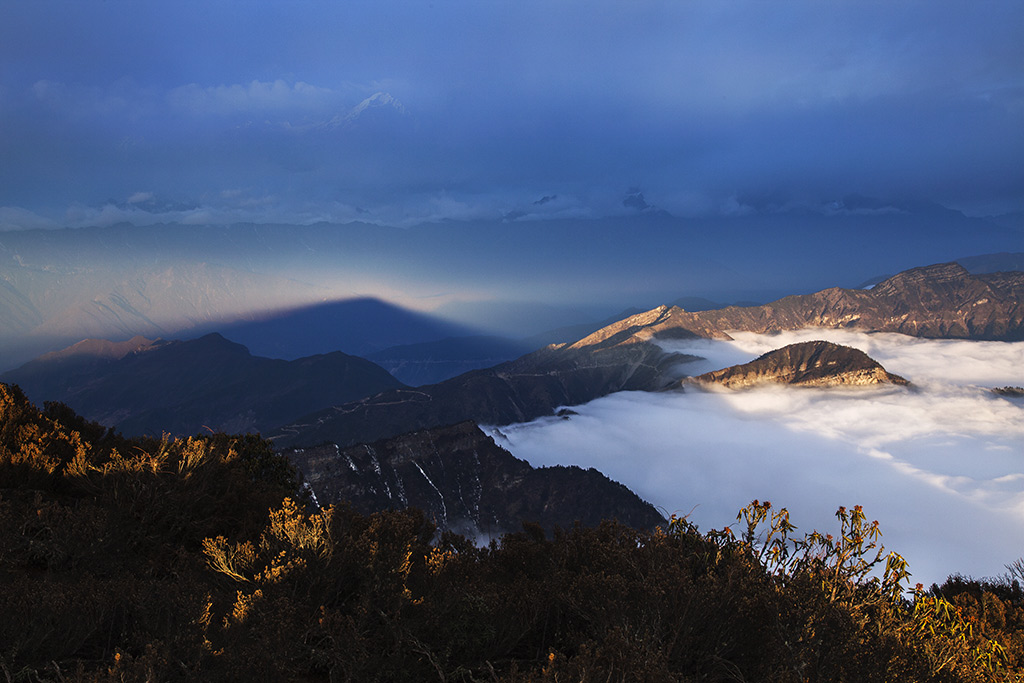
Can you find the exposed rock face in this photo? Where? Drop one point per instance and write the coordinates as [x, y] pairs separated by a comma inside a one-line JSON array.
[[466, 483], [187, 387], [942, 301], [808, 364]]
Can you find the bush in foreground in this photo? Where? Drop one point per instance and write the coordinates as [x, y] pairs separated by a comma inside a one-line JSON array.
[[157, 560]]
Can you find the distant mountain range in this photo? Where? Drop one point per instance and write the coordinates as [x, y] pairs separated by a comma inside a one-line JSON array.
[[940, 301], [435, 361], [143, 386]]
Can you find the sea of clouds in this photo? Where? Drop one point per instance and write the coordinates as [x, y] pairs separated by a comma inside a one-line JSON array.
[[940, 464]]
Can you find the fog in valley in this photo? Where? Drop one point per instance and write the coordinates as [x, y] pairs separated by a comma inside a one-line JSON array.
[[939, 464]]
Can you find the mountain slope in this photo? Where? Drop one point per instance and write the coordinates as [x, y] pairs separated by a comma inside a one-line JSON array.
[[466, 483], [807, 364], [185, 387], [516, 391], [940, 301]]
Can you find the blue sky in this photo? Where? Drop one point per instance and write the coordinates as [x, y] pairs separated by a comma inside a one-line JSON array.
[[401, 112]]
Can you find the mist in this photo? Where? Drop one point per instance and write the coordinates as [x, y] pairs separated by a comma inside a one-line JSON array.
[[940, 464]]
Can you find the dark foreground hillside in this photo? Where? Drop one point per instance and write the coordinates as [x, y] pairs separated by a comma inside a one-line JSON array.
[[464, 482], [142, 560]]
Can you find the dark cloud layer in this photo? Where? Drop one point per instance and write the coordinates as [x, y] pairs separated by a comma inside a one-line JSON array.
[[478, 108]]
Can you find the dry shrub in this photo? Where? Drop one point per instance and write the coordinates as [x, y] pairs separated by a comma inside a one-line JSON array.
[[154, 560]]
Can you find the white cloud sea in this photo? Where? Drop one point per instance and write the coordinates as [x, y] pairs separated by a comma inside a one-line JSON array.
[[940, 464]]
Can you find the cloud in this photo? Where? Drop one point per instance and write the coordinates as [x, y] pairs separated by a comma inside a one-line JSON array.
[[702, 105], [17, 218], [250, 98], [140, 198], [937, 464], [224, 208]]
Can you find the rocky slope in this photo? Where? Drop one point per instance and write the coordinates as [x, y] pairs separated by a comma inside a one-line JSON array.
[[466, 483], [808, 364], [517, 391], [943, 301], [186, 387]]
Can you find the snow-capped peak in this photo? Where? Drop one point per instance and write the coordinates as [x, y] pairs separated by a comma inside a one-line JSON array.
[[377, 100]]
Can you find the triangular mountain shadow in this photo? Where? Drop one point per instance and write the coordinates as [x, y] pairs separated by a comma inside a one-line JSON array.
[[355, 326]]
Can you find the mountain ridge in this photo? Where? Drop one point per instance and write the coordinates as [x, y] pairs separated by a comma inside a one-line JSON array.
[[942, 300], [185, 387], [937, 301]]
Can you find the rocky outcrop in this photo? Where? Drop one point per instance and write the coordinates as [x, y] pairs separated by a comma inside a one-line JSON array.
[[807, 364], [466, 483]]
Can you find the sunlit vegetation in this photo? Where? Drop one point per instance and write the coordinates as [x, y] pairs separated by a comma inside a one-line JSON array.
[[195, 559]]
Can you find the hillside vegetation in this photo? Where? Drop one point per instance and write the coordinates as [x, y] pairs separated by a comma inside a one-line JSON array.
[[192, 559]]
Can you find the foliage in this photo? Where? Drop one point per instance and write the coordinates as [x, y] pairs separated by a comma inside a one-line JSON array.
[[161, 560]]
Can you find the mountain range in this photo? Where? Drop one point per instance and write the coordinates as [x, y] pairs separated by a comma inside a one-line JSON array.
[[189, 387], [941, 301], [358, 433], [183, 387]]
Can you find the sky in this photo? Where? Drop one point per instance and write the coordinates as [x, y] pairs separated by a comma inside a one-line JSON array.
[[207, 112], [939, 464]]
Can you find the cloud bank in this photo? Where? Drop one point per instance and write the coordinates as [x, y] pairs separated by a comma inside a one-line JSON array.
[[703, 106], [940, 465]]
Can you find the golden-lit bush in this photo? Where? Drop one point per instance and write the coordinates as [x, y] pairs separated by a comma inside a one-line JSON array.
[[192, 559]]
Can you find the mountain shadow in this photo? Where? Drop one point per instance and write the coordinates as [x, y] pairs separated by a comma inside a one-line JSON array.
[[354, 326], [435, 361]]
